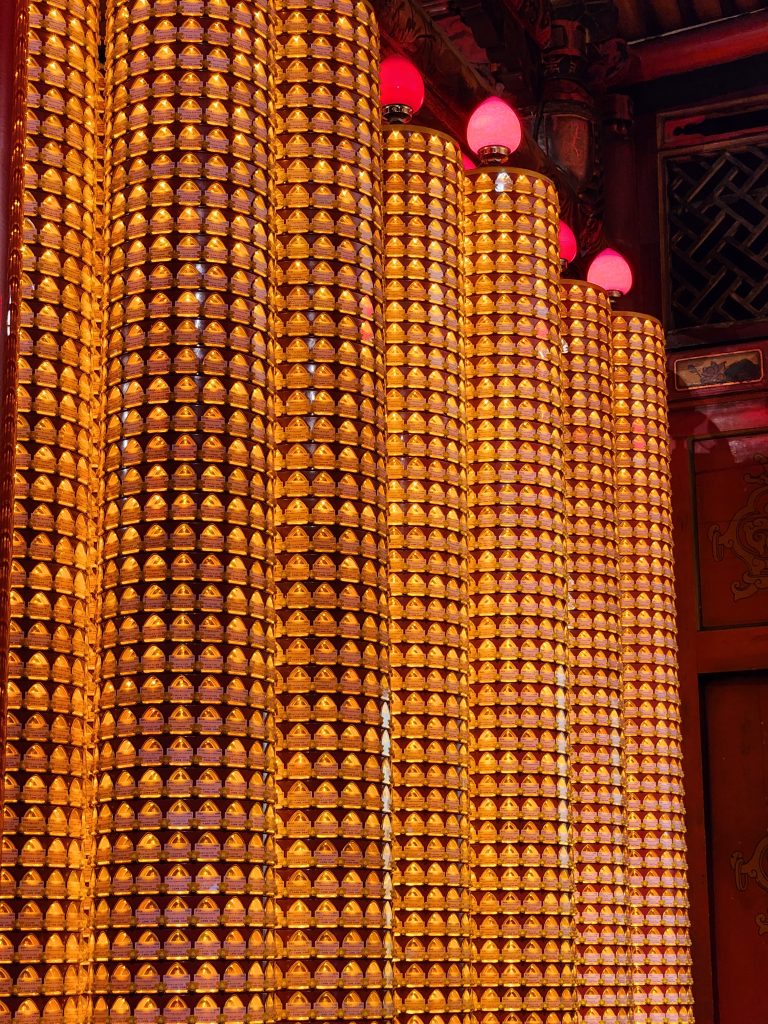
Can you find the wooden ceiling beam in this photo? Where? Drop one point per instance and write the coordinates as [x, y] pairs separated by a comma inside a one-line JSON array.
[[687, 11], [719, 42], [632, 18]]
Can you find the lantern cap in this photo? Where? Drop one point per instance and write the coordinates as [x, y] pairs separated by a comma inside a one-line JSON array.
[[609, 270], [402, 89], [567, 242], [494, 130]]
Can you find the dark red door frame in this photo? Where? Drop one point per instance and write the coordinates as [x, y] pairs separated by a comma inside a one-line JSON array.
[[14, 22]]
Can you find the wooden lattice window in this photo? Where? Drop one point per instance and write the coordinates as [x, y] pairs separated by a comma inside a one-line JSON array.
[[717, 235]]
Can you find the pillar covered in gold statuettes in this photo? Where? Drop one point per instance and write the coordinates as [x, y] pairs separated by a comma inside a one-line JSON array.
[[274, 395], [44, 945], [521, 875], [657, 882], [332, 949], [594, 648], [183, 888], [426, 516]]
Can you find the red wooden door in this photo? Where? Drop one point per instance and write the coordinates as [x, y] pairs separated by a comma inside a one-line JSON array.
[[736, 710]]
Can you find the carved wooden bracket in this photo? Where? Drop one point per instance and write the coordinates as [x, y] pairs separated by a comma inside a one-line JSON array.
[[454, 85]]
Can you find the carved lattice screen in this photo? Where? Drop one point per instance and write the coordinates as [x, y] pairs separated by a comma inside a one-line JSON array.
[[717, 235]]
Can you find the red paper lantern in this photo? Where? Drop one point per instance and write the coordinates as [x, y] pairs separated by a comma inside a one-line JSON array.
[[567, 241], [610, 271], [401, 84], [494, 126]]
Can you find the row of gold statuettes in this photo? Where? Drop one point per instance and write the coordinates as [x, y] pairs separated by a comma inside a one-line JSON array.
[[342, 670]]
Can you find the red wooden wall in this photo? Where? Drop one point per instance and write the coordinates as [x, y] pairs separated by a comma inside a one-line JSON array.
[[720, 494]]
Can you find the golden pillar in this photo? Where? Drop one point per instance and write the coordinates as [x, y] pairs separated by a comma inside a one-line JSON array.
[[426, 474], [14, 44], [657, 882], [332, 949], [594, 648], [183, 887], [45, 945], [522, 956]]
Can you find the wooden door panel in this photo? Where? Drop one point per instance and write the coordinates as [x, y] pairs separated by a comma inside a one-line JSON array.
[[736, 723]]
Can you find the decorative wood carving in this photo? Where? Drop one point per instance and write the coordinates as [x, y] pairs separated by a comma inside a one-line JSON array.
[[532, 15], [747, 536], [731, 487], [454, 84], [512, 53]]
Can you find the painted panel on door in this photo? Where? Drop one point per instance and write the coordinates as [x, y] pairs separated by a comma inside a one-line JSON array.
[[736, 709], [731, 481]]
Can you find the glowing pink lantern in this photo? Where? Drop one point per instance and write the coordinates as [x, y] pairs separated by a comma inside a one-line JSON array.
[[567, 241], [494, 129], [610, 271], [402, 88]]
